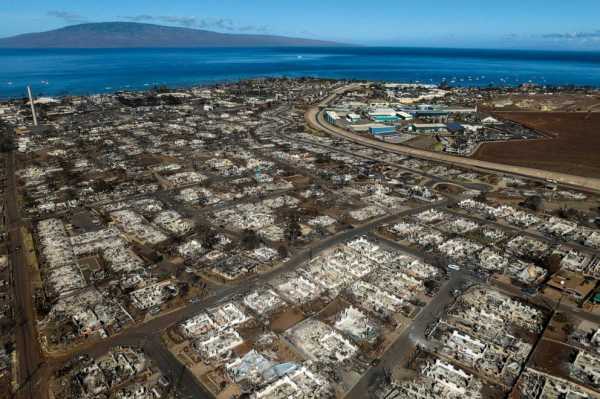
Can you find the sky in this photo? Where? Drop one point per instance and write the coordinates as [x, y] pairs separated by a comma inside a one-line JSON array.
[[525, 24]]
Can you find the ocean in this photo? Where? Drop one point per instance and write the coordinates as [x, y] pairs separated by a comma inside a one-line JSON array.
[[73, 71]]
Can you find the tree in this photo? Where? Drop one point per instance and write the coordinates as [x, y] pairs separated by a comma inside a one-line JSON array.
[[293, 229], [172, 100], [184, 288], [250, 240], [481, 197], [569, 213], [560, 317], [7, 142], [323, 158], [552, 263], [9, 347], [430, 285], [534, 203], [283, 252], [102, 185], [320, 230], [210, 239], [568, 329]]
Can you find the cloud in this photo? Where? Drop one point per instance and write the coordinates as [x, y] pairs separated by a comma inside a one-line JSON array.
[[66, 16], [253, 28], [139, 18], [222, 24], [573, 36], [188, 22]]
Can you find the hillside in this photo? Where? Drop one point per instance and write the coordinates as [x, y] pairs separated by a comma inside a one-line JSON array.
[[138, 35]]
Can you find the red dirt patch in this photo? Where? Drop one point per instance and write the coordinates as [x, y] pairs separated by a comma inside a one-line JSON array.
[[575, 148]]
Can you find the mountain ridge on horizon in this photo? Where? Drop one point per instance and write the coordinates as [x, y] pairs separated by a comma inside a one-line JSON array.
[[145, 35]]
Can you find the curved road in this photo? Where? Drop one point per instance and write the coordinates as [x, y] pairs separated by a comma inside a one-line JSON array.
[[314, 118], [31, 363], [147, 333]]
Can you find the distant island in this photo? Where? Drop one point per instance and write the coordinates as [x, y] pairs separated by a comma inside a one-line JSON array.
[[142, 35]]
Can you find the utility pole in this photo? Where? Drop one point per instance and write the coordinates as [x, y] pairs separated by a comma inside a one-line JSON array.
[[32, 106]]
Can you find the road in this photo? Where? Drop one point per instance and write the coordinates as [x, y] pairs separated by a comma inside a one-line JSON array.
[[29, 354], [314, 118], [179, 375], [32, 367], [223, 294], [523, 232], [398, 353], [148, 333]]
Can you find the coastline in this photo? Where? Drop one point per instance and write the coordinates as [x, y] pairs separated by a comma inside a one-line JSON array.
[[55, 72]]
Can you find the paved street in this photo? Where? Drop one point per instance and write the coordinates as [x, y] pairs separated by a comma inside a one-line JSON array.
[[29, 352], [314, 118], [398, 353], [150, 330], [34, 367]]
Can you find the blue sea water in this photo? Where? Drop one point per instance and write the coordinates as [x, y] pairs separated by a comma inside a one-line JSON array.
[[78, 71]]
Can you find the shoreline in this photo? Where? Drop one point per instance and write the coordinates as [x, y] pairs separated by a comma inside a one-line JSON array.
[[77, 72], [149, 87]]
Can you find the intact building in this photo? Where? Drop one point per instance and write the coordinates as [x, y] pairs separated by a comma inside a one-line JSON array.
[[425, 128]]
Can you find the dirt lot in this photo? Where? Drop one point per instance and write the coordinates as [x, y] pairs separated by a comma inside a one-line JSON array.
[[423, 142], [553, 358], [574, 150]]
